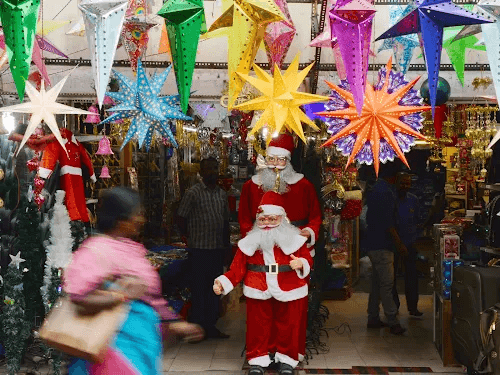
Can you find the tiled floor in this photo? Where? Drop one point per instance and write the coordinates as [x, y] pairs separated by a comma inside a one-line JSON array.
[[360, 347]]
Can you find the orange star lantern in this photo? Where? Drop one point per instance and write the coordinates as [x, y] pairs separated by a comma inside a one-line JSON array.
[[388, 124]]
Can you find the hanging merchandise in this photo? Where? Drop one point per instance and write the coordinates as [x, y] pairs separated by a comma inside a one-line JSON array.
[[429, 19], [247, 20], [213, 114], [135, 38], [393, 102], [140, 102], [104, 147], [43, 107], [280, 100], [78, 28], [351, 22], [19, 18], [278, 37], [105, 172], [185, 21], [137, 9], [164, 45], [95, 118], [103, 25], [402, 46]]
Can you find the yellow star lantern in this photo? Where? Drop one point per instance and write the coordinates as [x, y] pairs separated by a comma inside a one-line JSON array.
[[388, 123], [248, 20], [280, 100]]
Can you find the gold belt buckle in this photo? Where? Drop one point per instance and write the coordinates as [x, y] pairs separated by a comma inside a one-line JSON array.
[[273, 269]]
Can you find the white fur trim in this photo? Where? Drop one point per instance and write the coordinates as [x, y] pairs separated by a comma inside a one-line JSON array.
[[263, 361], [292, 244], [44, 172], [271, 209], [254, 293], [256, 179], [281, 295], [278, 151], [227, 285], [312, 240], [301, 357], [93, 178], [249, 244], [283, 358], [306, 270], [312, 252], [296, 177]]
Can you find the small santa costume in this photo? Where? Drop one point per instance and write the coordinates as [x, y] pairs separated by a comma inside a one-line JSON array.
[[274, 291], [71, 172]]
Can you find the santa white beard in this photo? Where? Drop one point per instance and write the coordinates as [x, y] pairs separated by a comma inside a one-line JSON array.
[[268, 178], [284, 235]]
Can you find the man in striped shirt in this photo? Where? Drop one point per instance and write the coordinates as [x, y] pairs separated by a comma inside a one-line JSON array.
[[204, 221]]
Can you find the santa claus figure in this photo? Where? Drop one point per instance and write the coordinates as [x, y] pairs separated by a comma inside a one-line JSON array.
[[299, 200], [274, 262], [71, 172]]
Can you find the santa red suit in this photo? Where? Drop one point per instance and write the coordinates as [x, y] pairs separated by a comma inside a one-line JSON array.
[[274, 294], [71, 172]]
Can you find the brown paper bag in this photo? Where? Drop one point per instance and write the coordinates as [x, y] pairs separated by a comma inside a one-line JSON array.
[[83, 336]]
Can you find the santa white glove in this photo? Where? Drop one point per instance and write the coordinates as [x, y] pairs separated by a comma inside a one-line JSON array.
[[218, 289], [296, 263]]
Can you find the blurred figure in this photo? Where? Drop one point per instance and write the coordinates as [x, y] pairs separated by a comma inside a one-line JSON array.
[[111, 268], [204, 222]]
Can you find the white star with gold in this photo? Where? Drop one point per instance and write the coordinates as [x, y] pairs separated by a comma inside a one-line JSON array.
[[43, 107]]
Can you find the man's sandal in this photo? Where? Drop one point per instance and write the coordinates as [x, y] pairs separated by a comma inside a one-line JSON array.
[[256, 370], [286, 369]]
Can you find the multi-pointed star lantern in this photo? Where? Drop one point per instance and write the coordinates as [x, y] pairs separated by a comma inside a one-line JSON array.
[[428, 18], [280, 100], [103, 25], [351, 23], [184, 20], [43, 107], [135, 38], [389, 121], [140, 101], [248, 20]]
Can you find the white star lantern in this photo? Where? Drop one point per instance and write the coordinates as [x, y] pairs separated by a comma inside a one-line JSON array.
[[16, 260], [43, 106], [103, 25]]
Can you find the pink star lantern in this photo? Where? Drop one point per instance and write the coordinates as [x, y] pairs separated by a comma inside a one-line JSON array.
[[278, 37], [351, 22]]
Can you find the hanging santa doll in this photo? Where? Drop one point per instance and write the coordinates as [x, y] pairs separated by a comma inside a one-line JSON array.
[[70, 161], [274, 261]]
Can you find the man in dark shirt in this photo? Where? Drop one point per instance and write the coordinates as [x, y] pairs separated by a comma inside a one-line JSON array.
[[380, 239]]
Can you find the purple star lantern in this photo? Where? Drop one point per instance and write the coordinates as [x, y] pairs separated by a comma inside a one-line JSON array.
[[278, 37], [312, 109], [351, 22], [428, 18]]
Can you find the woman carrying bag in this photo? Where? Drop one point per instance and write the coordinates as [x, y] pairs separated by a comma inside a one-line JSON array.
[[110, 269]]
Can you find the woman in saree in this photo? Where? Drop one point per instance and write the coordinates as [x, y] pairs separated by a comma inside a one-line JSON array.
[[111, 268]]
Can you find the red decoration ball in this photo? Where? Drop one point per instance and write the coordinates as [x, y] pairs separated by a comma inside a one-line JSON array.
[[39, 200], [39, 183]]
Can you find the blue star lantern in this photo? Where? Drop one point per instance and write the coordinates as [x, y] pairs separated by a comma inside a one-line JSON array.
[[428, 18], [140, 102]]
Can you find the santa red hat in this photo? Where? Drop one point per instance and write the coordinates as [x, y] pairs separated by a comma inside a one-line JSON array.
[[282, 145], [271, 204]]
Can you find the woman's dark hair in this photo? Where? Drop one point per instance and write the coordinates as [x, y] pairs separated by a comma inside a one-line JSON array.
[[116, 204]]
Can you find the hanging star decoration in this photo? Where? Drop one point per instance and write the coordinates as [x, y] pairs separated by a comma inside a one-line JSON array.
[[43, 107], [16, 260], [388, 124], [19, 18], [164, 45], [351, 23], [248, 20], [280, 100], [137, 9], [185, 21], [135, 38], [103, 25], [401, 46], [78, 29], [140, 102], [278, 38], [428, 18]]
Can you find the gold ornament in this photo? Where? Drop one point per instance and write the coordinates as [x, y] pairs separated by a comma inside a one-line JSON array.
[[2, 174]]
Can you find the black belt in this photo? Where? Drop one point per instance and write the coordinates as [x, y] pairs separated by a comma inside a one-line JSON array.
[[300, 223], [272, 268]]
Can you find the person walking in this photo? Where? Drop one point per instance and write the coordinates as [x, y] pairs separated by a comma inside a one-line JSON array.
[[204, 222]]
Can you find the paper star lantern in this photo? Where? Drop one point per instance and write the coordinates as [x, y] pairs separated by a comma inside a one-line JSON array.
[[428, 18], [278, 37], [351, 22], [19, 19], [16, 260], [402, 46], [280, 100], [103, 25], [43, 107], [389, 121], [78, 29], [248, 20], [137, 9], [140, 102], [184, 20], [135, 38], [164, 45]]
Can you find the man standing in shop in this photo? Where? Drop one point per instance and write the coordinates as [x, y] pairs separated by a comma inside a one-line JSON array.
[[204, 220], [407, 211], [380, 239]]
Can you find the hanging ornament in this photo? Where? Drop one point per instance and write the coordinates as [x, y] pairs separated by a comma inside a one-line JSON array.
[[135, 38], [39, 183], [2, 203], [104, 147], [390, 119], [95, 118], [2, 174], [105, 172]]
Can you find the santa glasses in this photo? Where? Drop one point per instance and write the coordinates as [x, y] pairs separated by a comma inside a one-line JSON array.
[[268, 220], [276, 159]]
